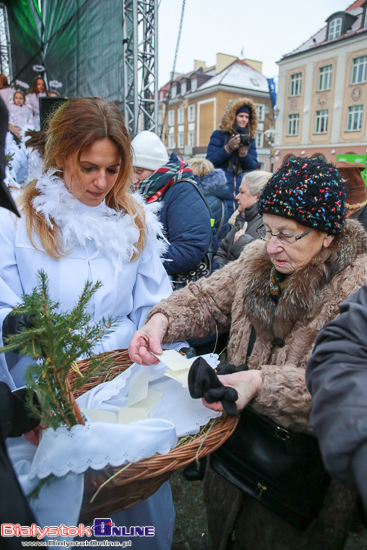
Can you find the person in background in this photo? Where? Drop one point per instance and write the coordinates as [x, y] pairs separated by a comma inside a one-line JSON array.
[[232, 147], [37, 90], [184, 214], [274, 299], [212, 182], [246, 220], [20, 115], [356, 200], [6, 91]]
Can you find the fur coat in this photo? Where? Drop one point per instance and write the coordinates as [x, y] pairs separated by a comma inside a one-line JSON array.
[[237, 297], [228, 118]]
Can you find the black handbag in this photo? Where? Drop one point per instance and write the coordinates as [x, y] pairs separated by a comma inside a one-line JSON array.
[[204, 268], [281, 469]]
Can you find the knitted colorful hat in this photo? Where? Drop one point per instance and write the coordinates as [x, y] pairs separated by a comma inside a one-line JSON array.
[[309, 191]]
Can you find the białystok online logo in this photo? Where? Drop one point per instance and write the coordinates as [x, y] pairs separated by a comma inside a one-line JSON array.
[[102, 527]]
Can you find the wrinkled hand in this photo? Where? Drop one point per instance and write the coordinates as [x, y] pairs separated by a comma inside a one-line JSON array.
[[148, 339], [246, 383], [239, 233], [242, 151], [233, 144]]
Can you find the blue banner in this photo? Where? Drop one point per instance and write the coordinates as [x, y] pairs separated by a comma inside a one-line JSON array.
[[272, 91]]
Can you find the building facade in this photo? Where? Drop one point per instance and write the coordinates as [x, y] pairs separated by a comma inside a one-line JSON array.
[[322, 91], [199, 99]]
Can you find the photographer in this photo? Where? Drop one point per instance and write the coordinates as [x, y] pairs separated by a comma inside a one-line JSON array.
[[232, 146]]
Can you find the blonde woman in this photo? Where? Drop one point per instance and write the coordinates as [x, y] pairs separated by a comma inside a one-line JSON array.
[[246, 220]]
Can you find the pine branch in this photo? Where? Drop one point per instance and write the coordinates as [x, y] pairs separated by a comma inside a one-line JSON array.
[[55, 341]]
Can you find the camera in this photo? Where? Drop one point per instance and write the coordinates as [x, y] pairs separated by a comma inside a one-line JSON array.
[[246, 139]]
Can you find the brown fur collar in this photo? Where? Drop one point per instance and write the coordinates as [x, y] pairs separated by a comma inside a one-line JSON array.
[[301, 293], [227, 120]]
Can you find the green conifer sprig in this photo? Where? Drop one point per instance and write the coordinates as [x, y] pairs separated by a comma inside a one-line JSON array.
[[55, 341]]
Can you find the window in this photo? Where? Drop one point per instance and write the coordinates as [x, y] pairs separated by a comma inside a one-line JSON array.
[[191, 138], [355, 118], [181, 141], [173, 91], [260, 109], [171, 118], [335, 28], [293, 125], [259, 140], [180, 116], [365, 18], [191, 113], [160, 116], [171, 142], [324, 82], [359, 70], [296, 80], [321, 121], [194, 85], [183, 88]]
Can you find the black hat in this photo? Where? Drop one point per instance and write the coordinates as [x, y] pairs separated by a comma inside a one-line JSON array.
[[309, 191]]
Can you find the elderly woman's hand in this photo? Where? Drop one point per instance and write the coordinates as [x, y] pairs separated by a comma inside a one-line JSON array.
[[147, 340], [247, 383]]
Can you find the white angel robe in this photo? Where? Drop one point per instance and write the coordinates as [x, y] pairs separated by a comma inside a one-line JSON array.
[[101, 242]]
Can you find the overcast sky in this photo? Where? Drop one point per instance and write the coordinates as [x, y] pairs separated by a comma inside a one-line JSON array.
[[263, 29]]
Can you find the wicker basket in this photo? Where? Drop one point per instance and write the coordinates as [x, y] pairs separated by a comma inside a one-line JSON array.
[[141, 479]]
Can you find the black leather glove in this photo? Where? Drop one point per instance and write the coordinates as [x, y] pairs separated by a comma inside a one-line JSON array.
[[16, 323], [15, 419], [204, 382]]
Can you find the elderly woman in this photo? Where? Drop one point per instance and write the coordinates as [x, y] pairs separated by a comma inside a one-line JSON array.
[[273, 299], [246, 220]]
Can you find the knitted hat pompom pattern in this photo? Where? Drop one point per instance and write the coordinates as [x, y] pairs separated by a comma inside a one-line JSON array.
[[309, 191]]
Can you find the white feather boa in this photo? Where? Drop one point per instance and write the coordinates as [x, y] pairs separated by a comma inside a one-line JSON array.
[[112, 233]]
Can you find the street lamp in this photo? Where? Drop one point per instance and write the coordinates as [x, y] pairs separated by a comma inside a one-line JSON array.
[[270, 135]]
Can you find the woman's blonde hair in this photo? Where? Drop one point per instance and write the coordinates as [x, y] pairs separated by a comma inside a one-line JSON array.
[[74, 127], [200, 166], [256, 180]]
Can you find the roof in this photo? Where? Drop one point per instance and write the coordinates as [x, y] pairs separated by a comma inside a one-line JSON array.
[[320, 37], [238, 75]]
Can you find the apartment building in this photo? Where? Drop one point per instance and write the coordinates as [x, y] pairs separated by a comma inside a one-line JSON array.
[[199, 99], [322, 91]]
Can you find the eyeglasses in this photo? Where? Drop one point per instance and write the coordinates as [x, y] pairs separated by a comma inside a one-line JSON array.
[[283, 238]]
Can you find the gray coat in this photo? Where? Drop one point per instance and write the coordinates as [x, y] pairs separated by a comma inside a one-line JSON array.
[[229, 250], [336, 377]]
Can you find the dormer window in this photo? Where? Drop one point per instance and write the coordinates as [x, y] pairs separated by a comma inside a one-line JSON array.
[[194, 85], [173, 91], [365, 17], [183, 87], [335, 28]]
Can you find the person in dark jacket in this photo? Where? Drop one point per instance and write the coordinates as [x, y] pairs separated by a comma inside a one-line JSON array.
[[246, 220], [336, 377], [184, 214], [226, 149], [212, 182], [356, 200]]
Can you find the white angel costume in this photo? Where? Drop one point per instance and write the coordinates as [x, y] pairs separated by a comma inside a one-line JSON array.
[[100, 243], [32, 100], [22, 116]]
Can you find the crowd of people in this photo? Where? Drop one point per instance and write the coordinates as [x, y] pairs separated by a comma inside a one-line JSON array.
[[192, 253]]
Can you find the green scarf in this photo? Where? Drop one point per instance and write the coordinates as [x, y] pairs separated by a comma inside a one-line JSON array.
[[278, 282]]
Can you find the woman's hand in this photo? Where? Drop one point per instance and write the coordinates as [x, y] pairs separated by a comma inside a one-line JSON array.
[[247, 383], [239, 234], [232, 144], [147, 341]]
